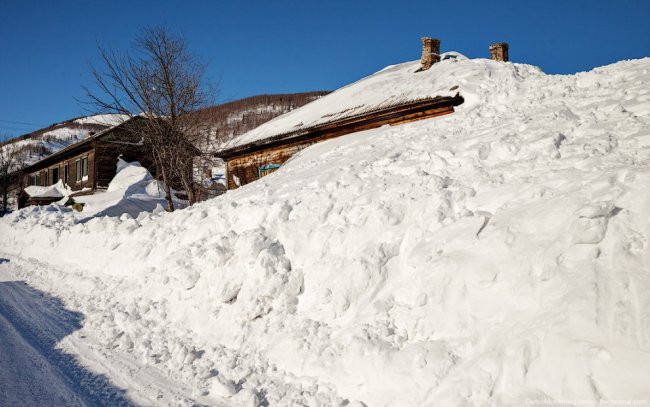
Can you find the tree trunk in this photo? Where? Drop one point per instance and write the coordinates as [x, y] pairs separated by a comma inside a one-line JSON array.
[[5, 192], [187, 179], [167, 189]]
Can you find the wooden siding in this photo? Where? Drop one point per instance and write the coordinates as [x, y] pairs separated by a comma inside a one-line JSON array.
[[73, 183], [245, 166]]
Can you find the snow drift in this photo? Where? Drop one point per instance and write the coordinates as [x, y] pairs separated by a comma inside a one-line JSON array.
[[131, 192], [497, 255]]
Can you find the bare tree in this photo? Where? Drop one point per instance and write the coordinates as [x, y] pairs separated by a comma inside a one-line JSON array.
[[162, 82], [10, 163]]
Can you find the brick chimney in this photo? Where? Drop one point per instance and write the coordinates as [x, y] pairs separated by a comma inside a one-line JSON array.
[[499, 52], [430, 52]]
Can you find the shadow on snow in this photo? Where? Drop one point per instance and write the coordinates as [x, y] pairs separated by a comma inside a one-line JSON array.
[[33, 371]]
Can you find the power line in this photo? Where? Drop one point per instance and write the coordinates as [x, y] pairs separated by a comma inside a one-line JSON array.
[[15, 128], [16, 122]]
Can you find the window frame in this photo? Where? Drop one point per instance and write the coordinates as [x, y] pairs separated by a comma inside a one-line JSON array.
[[266, 169], [84, 168], [77, 168]]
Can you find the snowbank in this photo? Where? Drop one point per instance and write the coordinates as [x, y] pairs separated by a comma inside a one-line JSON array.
[[497, 255], [132, 191]]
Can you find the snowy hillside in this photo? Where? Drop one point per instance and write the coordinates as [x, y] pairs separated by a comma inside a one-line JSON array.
[[498, 255], [39, 144]]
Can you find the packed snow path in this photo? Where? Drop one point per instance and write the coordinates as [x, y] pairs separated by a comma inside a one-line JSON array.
[[47, 359], [33, 371]]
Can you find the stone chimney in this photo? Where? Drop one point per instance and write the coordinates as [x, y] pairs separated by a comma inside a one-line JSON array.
[[499, 52], [430, 52]]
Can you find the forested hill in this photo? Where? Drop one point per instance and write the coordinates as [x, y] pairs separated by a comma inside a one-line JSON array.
[[234, 118]]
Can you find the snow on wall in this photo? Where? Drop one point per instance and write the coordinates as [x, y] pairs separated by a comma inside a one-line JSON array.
[[489, 257]]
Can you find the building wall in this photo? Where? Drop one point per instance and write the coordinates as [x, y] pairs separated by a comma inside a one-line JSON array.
[[72, 162], [106, 156], [245, 167]]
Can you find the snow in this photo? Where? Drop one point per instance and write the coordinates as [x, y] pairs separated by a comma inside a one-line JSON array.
[[57, 190], [34, 371], [104, 119], [132, 191], [45, 361], [495, 256]]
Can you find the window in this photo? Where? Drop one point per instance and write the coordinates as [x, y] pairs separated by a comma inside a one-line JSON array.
[[266, 169], [46, 178], [84, 168], [55, 175], [77, 166], [65, 173]]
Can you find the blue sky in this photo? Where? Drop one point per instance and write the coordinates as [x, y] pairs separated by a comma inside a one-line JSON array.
[[256, 47]]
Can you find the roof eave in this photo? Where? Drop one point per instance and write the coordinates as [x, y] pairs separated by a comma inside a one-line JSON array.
[[316, 131]]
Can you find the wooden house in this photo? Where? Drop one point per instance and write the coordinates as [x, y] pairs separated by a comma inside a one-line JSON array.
[[251, 161], [395, 95], [86, 166]]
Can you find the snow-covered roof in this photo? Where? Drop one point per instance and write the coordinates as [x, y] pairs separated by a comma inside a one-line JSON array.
[[392, 86], [110, 119], [51, 191]]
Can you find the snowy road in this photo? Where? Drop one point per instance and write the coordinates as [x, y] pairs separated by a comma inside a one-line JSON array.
[[48, 358], [33, 371]]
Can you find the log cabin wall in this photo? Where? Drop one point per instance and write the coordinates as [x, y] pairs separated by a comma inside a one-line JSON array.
[[105, 166], [68, 169], [106, 157], [246, 166]]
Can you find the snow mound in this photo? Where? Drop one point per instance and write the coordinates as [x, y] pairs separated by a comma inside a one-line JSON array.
[[495, 256], [132, 191]]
